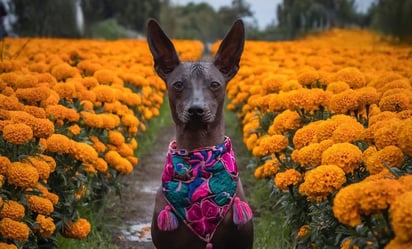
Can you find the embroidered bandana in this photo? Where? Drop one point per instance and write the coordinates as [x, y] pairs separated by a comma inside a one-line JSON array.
[[200, 185]]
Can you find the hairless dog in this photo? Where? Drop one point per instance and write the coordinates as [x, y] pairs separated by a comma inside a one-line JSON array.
[[200, 203]]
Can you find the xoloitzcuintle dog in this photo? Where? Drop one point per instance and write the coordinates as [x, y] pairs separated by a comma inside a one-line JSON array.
[[201, 202]]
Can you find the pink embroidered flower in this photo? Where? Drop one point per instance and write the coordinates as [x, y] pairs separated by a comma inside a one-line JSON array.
[[203, 217]]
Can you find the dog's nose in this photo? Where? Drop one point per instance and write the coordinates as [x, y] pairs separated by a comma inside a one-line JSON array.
[[196, 110]]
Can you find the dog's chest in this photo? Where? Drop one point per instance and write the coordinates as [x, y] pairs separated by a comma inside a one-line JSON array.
[[200, 185]]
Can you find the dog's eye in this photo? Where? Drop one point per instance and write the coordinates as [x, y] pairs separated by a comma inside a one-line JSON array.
[[214, 85], [178, 85]]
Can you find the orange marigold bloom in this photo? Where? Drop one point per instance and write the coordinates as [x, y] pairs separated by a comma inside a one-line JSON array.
[[41, 166], [367, 96], [303, 231], [346, 207], [352, 76], [390, 156], [396, 244], [12, 209], [50, 161], [401, 217], [40, 205], [77, 230], [7, 246], [83, 152], [404, 138], [337, 87], [14, 230], [5, 164], [17, 133], [37, 112], [46, 225], [22, 175], [60, 112], [308, 77], [311, 155], [116, 138], [345, 155], [387, 134], [117, 162], [322, 181], [59, 143], [305, 135], [33, 95], [344, 102], [105, 77], [395, 102], [290, 177], [101, 165], [74, 129], [285, 122], [348, 132], [270, 144], [42, 128], [268, 169], [64, 71], [348, 244], [125, 150]]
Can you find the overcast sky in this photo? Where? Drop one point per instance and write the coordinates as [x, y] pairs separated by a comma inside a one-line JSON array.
[[264, 10]]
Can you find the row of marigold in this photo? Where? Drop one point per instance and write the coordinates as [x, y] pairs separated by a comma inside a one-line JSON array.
[[70, 115], [328, 119]]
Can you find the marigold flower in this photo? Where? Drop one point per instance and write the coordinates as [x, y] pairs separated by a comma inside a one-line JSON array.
[[41, 166], [404, 138], [119, 163], [22, 175], [7, 246], [268, 169], [396, 244], [40, 205], [303, 231], [390, 156], [322, 181], [59, 143], [64, 71], [387, 134], [337, 87], [311, 155], [344, 102], [14, 230], [305, 136], [60, 112], [46, 225], [105, 77], [367, 96], [348, 244], [401, 217], [42, 128], [348, 132], [395, 102], [50, 161], [5, 164], [290, 177], [17, 133], [83, 152], [345, 155], [74, 129], [105, 93], [116, 138], [77, 230], [101, 165], [285, 122], [345, 206], [12, 209], [352, 76], [32, 95], [270, 144], [308, 77], [37, 112]]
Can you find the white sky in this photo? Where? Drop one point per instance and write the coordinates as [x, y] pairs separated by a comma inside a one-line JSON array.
[[264, 10]]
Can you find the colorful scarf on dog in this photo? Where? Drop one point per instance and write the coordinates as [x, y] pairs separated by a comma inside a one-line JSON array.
[[200, 187]]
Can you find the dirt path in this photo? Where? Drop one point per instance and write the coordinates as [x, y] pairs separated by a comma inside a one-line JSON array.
[[138, 193]]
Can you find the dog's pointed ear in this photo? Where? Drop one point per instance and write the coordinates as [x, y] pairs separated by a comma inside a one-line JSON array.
[[164, 53], [230, 50]]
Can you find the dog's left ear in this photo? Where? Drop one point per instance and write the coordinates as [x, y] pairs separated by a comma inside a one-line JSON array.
[[164, 53], [230, 50]]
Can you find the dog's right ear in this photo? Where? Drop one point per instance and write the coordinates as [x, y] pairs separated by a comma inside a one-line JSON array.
[[164, 53]]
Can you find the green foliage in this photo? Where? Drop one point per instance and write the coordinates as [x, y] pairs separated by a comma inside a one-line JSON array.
[[108, 29], [393, 18]]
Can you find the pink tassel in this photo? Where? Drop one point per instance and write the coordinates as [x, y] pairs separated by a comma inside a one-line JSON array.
[[167, 221], [209, 246], [241, 212]]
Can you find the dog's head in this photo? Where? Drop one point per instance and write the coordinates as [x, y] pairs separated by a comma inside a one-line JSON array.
[[196, 90]]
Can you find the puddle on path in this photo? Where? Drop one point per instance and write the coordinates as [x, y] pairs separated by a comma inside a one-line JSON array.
[[136, 232]]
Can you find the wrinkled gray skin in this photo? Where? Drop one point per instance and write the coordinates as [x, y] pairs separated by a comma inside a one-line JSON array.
[[196, 93]]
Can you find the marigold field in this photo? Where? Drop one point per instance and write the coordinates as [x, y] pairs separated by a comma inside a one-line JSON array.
[[327, 120]]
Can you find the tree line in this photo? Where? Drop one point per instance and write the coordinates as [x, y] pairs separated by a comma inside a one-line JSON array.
[[127, 18]]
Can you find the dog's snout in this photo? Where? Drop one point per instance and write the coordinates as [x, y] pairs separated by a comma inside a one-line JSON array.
[[196, 110]]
